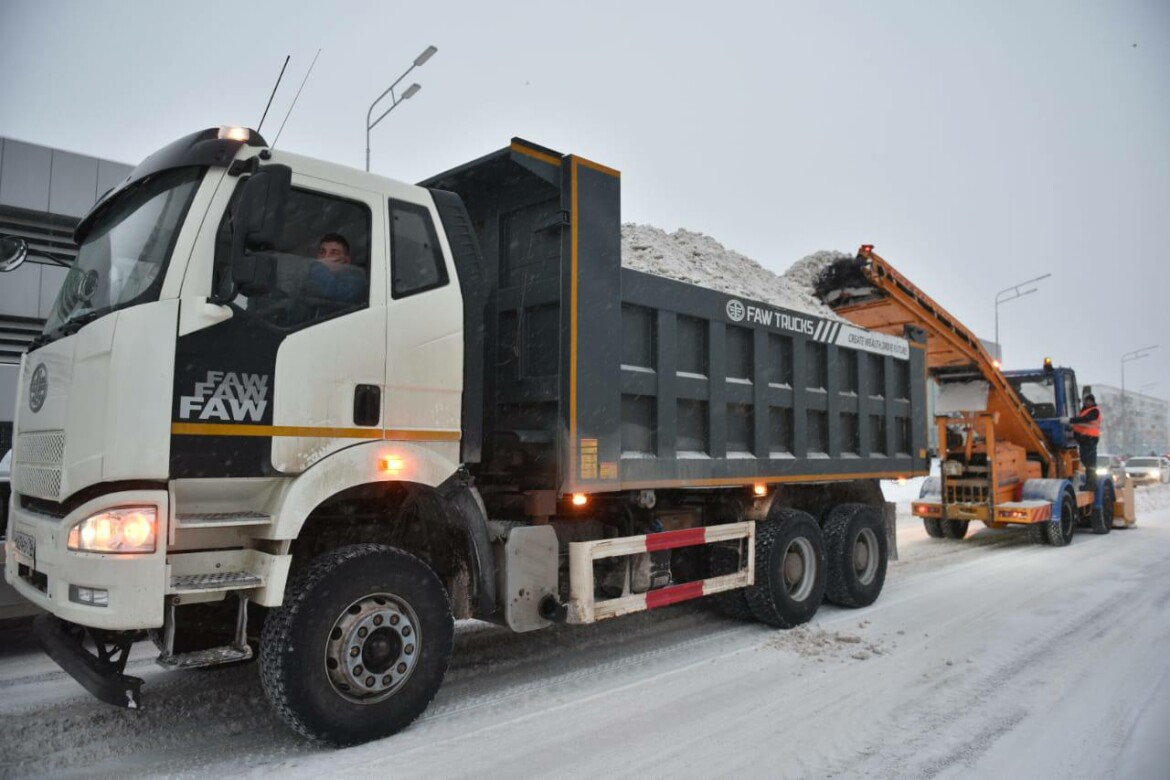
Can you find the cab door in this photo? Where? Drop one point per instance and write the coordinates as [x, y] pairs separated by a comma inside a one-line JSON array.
[[271, 384], [424, 336]]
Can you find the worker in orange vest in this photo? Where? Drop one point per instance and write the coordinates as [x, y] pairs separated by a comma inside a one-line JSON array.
[[1087, 431]]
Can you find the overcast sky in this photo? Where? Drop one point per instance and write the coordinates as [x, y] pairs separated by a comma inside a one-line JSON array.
[[977, 145]]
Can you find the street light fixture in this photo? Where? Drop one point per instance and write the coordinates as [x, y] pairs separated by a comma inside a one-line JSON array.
[[410, 92], [1013, 292], [1137, 354]]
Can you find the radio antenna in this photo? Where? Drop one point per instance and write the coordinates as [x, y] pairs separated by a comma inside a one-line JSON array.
[[275, 87], [295, 97]]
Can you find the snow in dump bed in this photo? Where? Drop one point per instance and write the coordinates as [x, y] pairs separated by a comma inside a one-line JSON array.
[[695, 258]]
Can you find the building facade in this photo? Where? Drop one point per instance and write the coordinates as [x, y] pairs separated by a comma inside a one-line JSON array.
[[1137, 425], [43, 194]]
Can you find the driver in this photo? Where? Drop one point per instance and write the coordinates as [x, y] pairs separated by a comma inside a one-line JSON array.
[[333, 275]]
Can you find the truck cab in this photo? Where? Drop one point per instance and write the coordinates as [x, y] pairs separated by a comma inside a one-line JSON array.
[[1050, 396]]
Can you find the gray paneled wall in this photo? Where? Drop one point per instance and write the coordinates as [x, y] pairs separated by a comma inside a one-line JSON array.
[[37, 178], [39, 184]]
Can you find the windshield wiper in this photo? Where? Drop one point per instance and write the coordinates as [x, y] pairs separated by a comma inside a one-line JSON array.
[[67, 328]]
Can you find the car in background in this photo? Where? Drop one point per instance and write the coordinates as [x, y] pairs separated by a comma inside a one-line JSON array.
[[12, 604], [1147, 470], [1112, 467]]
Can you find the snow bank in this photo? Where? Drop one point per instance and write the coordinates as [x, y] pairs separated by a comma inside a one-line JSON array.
[[696, 258]]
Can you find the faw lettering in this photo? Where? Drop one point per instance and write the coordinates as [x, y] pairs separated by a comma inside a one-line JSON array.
[[771, 318], [228, 397]]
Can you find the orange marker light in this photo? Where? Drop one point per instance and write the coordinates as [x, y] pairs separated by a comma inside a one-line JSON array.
[[580, 499], [392, 464], [901, 480], [995, 363], [760, 490]]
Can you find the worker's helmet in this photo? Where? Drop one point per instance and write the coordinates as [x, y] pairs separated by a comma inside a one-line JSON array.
[[1089, 399]]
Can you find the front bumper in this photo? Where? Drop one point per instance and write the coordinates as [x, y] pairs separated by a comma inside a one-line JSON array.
[[135, 584], [1145, 479]]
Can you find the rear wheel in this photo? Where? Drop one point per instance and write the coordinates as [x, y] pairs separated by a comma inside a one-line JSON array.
[[360, 646], [933, 527], [1102, 518], [857, 553], [790, 570], [955, 529], [1060, 531], [1038, 533], [725, 560]]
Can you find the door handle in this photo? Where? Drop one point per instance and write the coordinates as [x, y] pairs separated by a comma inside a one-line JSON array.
[[367, 405]]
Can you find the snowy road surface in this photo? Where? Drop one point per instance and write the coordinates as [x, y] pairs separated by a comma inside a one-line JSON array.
[[988, 657]]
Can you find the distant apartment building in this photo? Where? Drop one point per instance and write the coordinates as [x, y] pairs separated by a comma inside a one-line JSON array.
[[1138, 426], [43, 194]]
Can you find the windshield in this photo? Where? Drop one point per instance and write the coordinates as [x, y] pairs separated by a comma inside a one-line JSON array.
[[1040, 395], [126, 250], [1143, 462]]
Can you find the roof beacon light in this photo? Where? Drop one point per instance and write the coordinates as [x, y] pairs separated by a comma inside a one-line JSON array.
[[1048, 365], [242, 134]]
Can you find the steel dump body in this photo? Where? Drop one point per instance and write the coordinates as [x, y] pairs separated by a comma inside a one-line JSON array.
[[600, 378]]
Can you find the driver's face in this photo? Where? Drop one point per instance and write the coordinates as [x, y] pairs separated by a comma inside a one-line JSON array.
[[332, 252]]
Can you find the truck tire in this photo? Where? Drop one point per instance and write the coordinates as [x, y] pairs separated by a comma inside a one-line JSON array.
[[933, 527], [790, 570], [360, 646], [1060, 532], [724, 560], [1038, 533], [1102, 518], [955, 529], [857, 552]]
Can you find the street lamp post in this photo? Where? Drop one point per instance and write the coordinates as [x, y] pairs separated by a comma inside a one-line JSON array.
[[1013, 292], [410, 91], [1137, 354]]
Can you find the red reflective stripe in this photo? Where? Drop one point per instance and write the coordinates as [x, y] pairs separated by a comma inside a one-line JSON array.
[[668, 540], [673, 595]]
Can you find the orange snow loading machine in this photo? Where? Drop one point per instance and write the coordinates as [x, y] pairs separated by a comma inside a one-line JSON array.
[[1005, 443]]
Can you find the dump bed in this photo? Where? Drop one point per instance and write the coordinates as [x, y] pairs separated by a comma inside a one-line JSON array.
[[599, 378]]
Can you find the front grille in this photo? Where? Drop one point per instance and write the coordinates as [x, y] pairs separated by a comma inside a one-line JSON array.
[[36, 464]]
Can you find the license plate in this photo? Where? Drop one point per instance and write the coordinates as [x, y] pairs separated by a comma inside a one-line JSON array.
[[26, 545]]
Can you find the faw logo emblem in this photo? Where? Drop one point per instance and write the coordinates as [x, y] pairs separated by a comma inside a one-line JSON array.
[[736, 311], [227, 396]]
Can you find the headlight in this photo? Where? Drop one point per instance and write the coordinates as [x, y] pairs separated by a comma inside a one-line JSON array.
[[124, 530]]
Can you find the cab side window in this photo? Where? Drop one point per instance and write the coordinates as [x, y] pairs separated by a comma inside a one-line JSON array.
[[321, 262], [416, 259]]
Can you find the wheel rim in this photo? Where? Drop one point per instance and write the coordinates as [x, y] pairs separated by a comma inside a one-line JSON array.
[[865, 556], [373, 648], [798, 569]]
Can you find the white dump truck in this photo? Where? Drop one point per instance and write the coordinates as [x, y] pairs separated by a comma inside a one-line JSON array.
[[287, 408]]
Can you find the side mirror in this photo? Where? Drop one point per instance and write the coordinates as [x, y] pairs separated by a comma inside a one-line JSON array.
[[257, 222], [13, 251]]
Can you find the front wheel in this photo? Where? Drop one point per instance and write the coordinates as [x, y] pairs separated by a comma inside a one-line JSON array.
[[790, 570], [360, 646], [955, 529], [1102, 518]]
